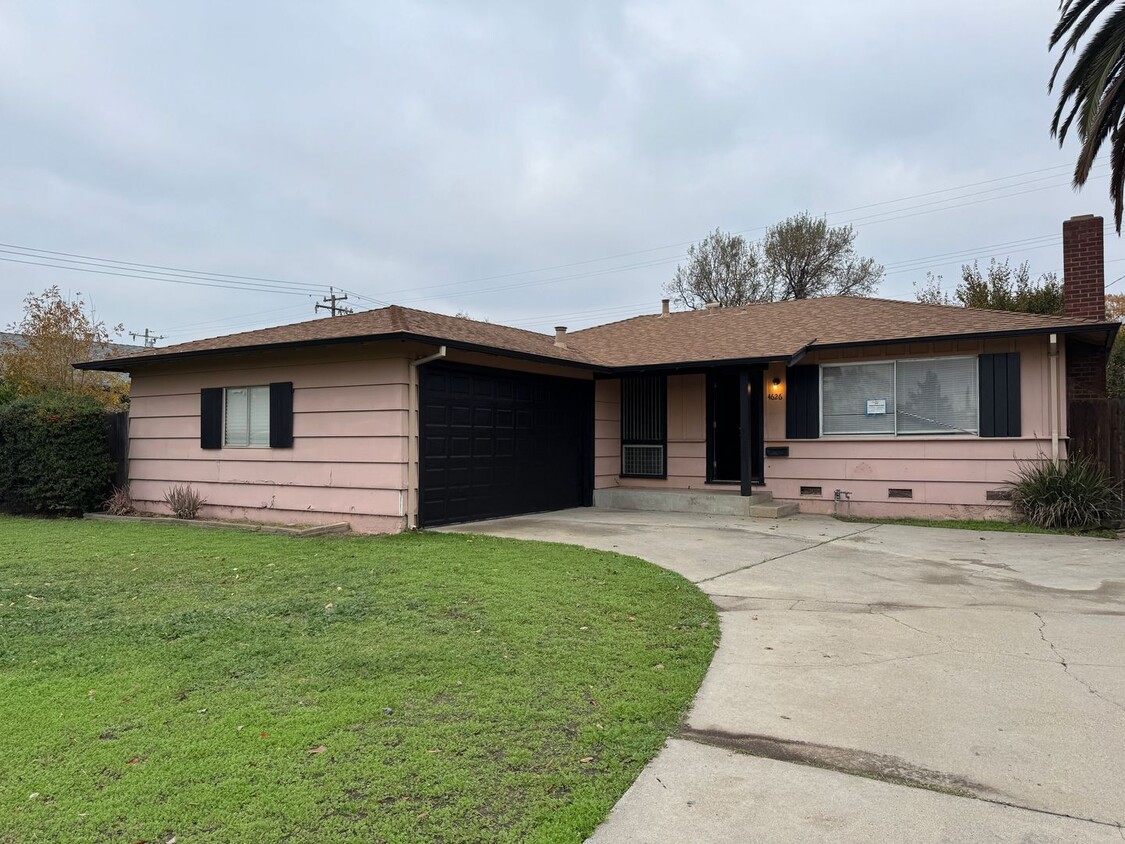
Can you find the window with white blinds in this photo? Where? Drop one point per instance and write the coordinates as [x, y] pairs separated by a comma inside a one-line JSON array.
[[937, 396], [901, 398], [246, 417], [858, 398]]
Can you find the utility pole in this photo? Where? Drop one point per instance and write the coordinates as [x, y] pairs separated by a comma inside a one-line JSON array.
[[149, 338], [332, 299]]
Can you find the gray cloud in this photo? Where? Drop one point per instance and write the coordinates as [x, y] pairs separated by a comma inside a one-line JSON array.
[[399, 149]]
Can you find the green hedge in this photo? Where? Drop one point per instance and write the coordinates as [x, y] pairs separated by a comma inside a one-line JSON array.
[[54, 458]]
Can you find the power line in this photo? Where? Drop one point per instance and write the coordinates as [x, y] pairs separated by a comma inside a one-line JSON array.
[[158, 272], [961, 187], [762, 228], [78, 262], [124, 264], [677, 258]]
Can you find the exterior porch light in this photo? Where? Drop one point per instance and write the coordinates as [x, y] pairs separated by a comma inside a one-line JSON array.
[[775, 386]]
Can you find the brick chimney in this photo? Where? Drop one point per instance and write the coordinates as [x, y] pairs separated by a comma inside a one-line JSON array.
[[1084, 297], [1084, 267]]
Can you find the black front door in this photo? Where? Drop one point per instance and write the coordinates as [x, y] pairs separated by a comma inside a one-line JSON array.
[[734, 405], [725, 464]]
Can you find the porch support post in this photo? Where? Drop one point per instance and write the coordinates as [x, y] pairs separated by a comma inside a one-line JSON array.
[[745, 444]]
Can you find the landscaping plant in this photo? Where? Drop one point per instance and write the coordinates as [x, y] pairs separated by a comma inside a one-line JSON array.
[[54, 458], [184, 501], [1076, 494], [120, 502]]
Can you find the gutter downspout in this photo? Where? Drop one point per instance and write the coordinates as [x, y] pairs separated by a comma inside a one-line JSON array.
[[413, 435], [1054, 356]]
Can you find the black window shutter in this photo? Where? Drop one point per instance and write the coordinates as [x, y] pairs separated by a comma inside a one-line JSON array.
[[802, 409], [211, 417], [281, 414], [1000, 395]]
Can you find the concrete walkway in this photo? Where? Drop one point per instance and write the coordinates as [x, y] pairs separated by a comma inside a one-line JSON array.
[[882, 683]]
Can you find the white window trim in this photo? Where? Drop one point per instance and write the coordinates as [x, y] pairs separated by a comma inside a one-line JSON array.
[[248, 444], [894, 382]]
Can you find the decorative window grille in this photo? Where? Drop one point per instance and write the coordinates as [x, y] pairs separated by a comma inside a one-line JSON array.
[[644, 426]]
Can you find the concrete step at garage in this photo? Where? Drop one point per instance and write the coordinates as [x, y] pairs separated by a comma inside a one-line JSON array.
[[715, 503]]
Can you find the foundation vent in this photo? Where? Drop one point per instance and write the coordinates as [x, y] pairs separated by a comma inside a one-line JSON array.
[[998, 495], [900, 493], [811, 490]]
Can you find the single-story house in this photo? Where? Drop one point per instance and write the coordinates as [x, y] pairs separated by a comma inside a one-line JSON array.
[[397, 418]]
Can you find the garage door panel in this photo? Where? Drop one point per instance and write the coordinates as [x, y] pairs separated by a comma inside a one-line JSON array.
[[497, 443]]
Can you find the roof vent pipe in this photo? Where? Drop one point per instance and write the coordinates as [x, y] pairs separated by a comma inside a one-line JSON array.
[[711, 306], [665, 308], [560, 336]]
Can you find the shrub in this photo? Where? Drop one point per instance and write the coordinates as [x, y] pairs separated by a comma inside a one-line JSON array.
[[183, 501], [120, 502], [1077, 494], [54, 459]]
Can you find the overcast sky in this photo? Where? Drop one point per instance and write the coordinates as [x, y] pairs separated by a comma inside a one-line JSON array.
[[527, 163]]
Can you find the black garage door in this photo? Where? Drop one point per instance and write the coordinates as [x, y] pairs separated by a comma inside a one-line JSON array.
[[498, 443]]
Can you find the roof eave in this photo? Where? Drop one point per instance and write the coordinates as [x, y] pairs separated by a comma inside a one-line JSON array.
[[128, 364], [1110, 328]]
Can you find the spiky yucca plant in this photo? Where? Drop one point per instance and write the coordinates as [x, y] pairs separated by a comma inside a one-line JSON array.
[[1076, 494], [183, 501]]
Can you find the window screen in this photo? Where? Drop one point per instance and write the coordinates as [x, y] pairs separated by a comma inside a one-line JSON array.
[[644, 425], [937, 396], [246, 418], [858, 398]]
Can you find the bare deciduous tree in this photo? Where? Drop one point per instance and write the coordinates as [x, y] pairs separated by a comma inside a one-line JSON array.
[[723, 268], [804, 257], [799, 258]]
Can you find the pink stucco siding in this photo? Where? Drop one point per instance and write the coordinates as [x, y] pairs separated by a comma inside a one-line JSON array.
[[948, 475], [349, 456]]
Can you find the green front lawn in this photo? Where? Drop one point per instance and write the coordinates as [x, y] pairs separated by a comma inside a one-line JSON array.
[[219, 686]]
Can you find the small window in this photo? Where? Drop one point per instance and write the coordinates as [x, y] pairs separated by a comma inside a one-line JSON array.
[[246, 417], [644, 426]]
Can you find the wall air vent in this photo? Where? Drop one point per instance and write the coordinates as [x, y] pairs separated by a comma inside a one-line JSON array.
[[642, 460]]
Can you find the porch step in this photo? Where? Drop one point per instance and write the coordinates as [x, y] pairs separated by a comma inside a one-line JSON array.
[[774, 511], [693, 501]]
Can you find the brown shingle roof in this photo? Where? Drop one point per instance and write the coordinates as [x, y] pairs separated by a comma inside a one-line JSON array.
[[385, 322], [775, 330], [782, 329]]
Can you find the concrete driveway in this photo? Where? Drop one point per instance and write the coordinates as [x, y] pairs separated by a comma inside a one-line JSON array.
[[882, 683]]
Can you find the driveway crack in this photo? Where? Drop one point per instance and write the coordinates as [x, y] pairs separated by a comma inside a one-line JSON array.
[[1068, 672], [909, 626], [786, 554]]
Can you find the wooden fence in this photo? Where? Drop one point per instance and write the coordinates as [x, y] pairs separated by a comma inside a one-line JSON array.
[[117, 441], [1097, 429]]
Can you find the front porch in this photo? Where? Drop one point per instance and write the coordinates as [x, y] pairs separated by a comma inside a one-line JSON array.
[[730, 502]]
